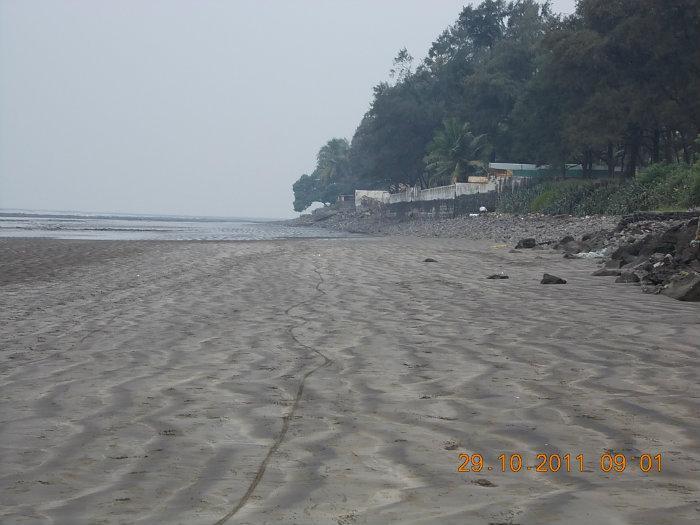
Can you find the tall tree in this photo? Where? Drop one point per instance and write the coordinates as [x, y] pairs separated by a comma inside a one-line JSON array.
[[332, 176], [389, 144], [455, 153]]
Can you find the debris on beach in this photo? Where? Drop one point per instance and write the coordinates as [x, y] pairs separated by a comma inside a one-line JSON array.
[[600, 254], [429, 260], [498, 276]]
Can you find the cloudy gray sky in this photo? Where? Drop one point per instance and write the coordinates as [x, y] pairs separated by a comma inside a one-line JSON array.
[[189, 107]]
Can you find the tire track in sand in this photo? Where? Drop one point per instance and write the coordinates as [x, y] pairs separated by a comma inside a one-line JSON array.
[[297, 399]]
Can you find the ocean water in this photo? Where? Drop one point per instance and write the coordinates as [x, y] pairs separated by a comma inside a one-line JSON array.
[[123, 227]]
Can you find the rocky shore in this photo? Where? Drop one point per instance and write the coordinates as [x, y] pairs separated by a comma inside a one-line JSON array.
[[498, 227], [660, 252]]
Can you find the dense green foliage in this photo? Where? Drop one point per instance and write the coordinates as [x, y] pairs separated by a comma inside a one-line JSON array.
[[332, 176], [616, 83], [660, 186], [454, 154]]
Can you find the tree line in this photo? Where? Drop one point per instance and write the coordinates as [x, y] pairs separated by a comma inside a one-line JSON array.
[[616, 83]]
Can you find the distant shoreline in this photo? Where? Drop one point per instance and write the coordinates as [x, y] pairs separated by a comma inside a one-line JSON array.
[[128, 216], [132, 228]]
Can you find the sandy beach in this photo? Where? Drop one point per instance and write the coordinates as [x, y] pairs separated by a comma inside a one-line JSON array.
[[336, 381]]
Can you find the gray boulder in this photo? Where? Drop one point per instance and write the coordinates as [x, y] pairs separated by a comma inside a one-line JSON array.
[[606, 272], [684, 288], [627, 277]]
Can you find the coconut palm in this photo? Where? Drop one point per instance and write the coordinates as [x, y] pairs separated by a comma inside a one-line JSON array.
[[454, 154], [332, 160]]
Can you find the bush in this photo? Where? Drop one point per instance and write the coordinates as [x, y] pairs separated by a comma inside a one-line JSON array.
[[660, 186], [672, 185], [543, 200], [694, 193]]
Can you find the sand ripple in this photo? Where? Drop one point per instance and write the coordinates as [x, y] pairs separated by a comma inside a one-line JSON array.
[[334, 381]]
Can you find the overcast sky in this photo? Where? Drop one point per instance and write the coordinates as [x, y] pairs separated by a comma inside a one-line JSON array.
[[189, 107]]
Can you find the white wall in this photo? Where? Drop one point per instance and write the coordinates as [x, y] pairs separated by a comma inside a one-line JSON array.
[[376, 195], [469, 188], [430, 194]]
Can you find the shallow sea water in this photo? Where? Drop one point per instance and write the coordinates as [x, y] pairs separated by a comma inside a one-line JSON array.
[[97, 227]]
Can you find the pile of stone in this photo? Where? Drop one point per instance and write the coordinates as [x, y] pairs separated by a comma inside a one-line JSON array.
[[499, 227], [659, 252]]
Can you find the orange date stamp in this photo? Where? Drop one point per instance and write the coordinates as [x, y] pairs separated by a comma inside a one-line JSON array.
[[608, 462]]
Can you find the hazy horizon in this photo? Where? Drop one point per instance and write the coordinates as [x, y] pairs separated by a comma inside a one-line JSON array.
[[189, 108]]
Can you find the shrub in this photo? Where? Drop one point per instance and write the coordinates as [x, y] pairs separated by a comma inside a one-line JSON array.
[[543, 200], [694, 193], [672, 185], [660, 186]]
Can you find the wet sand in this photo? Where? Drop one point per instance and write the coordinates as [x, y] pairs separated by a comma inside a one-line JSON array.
[[336, 381]]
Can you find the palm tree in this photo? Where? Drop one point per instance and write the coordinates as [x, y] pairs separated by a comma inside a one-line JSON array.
[[332, 160], [454, 154]]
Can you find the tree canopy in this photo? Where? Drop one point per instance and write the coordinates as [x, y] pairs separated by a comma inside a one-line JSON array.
[[332, 176], [615, 83]]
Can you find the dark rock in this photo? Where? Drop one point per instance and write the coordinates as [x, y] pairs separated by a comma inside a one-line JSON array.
[[498, 276], [569, 247], [594, 242], [551, 279], [627, 277], [526, 243], [664, 248], [660, 274], [569, 256], [640, 264], [651, 289], [484, 482], [606, 272], [684, 287], [614, 264], [429, 260]]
